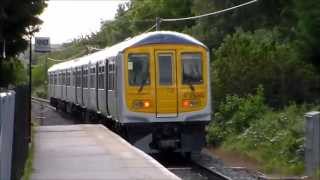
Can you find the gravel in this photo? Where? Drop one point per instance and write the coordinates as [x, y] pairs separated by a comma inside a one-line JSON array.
[[43, 114], [208, 160]]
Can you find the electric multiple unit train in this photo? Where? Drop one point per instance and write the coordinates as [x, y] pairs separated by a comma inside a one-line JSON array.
[[154, 86]]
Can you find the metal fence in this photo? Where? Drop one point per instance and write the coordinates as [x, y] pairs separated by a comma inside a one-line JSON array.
[[312, 151], [21, 134], [14, 132], [7, 100]]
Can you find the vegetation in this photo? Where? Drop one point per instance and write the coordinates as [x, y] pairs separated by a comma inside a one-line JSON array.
[[265, 68], [29, 163], [246, 60], [18, 20], [273, 137], [12, 72]]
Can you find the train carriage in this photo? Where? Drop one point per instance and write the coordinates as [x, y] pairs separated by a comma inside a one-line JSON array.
[[154, 86]]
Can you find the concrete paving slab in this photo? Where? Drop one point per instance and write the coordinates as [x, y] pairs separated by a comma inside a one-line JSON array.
[[91, 152]]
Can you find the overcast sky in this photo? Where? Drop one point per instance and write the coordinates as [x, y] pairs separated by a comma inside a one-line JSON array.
[[68, 19]]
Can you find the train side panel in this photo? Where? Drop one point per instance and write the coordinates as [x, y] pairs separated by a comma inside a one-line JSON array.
[[112, 89], [102, 108], [92, 88]]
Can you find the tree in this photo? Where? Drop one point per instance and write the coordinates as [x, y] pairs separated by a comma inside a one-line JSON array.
[[144, 13], [18, 18], [246, 60], [308, 30], [263, 14]]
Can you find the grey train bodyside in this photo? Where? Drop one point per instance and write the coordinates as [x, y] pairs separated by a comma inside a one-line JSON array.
[[94, 85], [87, 86]]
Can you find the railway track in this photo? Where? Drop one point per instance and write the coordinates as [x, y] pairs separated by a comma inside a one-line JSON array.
[[195, 171], [36, 99], [212, 173], [188, 169], [42, 102]]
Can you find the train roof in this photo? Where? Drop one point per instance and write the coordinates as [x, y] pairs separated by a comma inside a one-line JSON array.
[[156, 37]]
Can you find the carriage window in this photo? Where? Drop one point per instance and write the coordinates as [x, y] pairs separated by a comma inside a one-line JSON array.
[[68, 78], [85, 78], [165, 69], [73, 78], [78, 78], [60, 79], [101, 78], [92, 77], [55, 79], [192, 68], [111, 76], [138, 69], [63, 78]]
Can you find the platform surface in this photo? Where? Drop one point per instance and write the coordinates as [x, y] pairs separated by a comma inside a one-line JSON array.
[[90, 152]]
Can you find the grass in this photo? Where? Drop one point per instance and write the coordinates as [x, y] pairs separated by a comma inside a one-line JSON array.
[[318, 174], [28, 168]]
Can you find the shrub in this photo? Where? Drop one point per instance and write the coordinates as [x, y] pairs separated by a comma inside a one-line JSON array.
[[235, 115], [273, 137], [244, 60], [276, 139], [12, 72]]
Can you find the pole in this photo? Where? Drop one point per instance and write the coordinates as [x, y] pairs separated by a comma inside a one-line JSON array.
[[46, 74], [158, 21], [30, 82], [4, 49]]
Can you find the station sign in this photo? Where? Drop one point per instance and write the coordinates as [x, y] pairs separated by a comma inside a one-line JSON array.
[[42, 44]]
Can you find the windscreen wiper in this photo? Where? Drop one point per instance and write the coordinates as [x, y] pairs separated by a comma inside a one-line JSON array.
[[191, 85], [142, 84]]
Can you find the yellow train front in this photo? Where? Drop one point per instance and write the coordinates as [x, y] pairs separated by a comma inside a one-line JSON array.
[[154, 88], [167, 93]]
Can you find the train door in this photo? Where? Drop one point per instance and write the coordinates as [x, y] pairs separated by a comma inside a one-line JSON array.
[[81, 81], [66, 84], [97, 86], [166, 83], [75, 81]]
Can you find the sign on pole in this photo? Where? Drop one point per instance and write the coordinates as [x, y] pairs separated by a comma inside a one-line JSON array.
[[42, 44]]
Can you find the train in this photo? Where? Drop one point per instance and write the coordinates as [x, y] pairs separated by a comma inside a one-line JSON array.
[[154, 88]]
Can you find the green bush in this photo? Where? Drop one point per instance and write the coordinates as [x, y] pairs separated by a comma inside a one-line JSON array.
[[276, 139], [41, 93], [39, 76], [245, 60], [235, 115], [273, 137], [12, 72]]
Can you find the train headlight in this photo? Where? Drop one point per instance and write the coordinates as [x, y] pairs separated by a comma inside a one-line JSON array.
[[187, 103], [138, 104], [146, 104]]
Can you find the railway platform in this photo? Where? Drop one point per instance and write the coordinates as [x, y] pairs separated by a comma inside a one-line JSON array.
[[90, 152]]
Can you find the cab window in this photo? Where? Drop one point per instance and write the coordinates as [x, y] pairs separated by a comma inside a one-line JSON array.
[[138, 69], [191, 68]]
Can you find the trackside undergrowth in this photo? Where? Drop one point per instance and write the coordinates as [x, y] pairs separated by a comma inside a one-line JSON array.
[[275, 138]]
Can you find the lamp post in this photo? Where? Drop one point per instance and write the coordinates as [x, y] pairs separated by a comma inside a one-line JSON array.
[[30, 88]]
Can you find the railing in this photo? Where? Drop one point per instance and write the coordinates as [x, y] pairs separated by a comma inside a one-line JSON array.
[[14, 132], [7, 109], [312, 145]]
